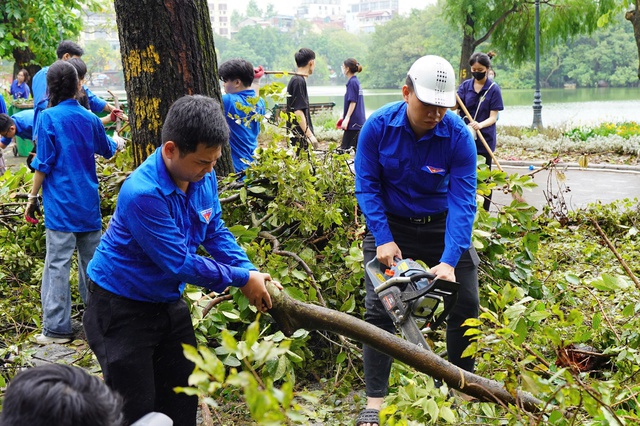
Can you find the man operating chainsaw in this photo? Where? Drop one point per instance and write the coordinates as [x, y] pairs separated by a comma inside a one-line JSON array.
[[416, 185]]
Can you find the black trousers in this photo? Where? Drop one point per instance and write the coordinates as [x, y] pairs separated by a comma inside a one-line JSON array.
[[139, 347], [350, 139], [424, 242]]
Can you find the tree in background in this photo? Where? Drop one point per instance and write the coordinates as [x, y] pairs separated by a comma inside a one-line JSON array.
[[100, 56], [510, 24], [605, 58], [167, 52], [395, 45], [31, 30]]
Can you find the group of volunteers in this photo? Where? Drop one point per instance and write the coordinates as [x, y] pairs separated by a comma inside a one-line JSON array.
[[415, 167]]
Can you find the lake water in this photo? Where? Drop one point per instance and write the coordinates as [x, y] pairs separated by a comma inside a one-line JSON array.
[[559, 106]]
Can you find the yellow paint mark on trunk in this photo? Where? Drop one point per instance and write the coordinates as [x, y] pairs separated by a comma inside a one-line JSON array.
[[141, 61], [147, 113]]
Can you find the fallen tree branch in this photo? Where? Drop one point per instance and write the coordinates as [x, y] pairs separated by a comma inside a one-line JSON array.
[[216, 301], [292, 315], [626, 268], [276, 250]]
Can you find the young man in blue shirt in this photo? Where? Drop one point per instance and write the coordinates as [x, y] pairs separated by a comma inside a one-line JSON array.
[[416, 185], [19, 124], [136, 320], [243, 110]]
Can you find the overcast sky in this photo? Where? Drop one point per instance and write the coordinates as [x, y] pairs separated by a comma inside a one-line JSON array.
[[288, 7]]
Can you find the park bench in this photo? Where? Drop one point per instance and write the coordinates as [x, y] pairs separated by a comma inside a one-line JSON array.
[[314, 108]]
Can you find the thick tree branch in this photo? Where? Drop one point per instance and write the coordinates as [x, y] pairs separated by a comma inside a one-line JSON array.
[[626, 268], [292, 315], [497, 22]]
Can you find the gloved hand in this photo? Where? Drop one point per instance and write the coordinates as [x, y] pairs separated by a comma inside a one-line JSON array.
[[33, 208], [115, 114], [120, 141], [258, 72]]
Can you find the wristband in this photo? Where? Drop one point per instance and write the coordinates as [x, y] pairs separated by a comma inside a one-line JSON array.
[[32, 197]]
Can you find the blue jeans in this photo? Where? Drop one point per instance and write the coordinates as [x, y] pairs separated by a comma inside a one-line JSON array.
[[424, 242], [56, 290]]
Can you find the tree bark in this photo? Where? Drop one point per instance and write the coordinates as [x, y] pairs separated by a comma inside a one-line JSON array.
[[292, 315], [167, 52], [633, 16], [468, 46]]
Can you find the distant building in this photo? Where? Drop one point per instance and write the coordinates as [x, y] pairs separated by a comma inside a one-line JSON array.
[[282, 22], [319, 9], [220, 17], [363, 16]]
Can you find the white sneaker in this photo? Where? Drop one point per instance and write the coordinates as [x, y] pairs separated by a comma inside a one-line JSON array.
[[41, 339]]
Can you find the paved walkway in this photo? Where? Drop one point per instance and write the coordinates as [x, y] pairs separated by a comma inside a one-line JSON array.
[[606, 183]]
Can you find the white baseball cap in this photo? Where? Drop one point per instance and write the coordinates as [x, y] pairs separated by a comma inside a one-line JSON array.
[[434, 81]]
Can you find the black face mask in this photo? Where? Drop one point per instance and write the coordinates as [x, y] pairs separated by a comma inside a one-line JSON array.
[[478, 75]]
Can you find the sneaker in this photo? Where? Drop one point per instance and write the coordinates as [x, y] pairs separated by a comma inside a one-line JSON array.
[[41, 339]]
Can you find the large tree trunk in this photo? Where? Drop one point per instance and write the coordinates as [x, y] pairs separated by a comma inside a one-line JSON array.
[[468, 46], [633, 16], [167, 52], [292, 315]]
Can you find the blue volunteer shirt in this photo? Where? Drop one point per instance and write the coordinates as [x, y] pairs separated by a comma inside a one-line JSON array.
[[354, 94], [3, 106], [492, 102], [244, 127], [20, 91], [24, 125], [41, 97], [69, 138], [96, 104], [403, 176], [148, 252]]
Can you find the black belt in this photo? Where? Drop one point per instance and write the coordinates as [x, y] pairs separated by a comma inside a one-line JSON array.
[[418, 220], [95, 288]]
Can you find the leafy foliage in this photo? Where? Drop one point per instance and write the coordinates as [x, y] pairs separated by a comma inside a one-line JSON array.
[[39, 26]]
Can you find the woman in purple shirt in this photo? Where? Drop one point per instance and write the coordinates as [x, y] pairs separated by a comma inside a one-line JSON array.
[[353, 117], [483, 99], [19, 87]]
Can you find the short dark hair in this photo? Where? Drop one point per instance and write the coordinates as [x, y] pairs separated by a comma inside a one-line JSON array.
[[80, 67], [193, 120], [62, 395], [5, 122], [237, 69], [409, 83], [68, 46], [62, 81], [304, 56]]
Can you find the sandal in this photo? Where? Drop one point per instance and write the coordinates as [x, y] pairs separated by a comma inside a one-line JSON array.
[[368, 415]]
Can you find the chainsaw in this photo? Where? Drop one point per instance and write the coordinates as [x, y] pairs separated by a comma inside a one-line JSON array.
[[410, 294]]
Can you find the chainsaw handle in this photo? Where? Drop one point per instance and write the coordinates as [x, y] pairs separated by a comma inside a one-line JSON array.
[[418, 277]]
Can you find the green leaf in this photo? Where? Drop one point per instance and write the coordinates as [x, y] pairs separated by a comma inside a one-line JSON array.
[[349, 305], [447, 414], [521, 331], [228, 341]]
